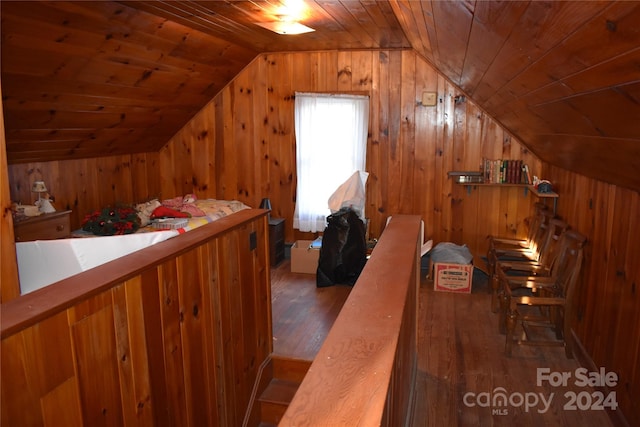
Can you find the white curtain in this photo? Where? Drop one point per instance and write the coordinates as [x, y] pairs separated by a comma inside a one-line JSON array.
[[331, 143]]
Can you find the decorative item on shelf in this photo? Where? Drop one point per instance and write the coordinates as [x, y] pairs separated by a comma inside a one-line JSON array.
[[109, 221], [466, 177], [544, 186]]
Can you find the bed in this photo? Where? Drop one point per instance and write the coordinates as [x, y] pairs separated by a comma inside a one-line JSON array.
[[43, 262]]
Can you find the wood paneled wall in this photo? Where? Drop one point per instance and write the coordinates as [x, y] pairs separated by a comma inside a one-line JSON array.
[[608, 318], [8, 265], [89, 184], [243, 142], [241, 146]]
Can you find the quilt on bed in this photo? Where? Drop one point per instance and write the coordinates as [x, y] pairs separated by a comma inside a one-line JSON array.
[[208, 210]]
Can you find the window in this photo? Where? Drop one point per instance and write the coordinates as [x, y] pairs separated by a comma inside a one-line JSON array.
[[331, 143]]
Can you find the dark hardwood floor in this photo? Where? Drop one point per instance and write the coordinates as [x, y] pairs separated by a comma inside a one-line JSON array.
[[302, 313], [461, 365]]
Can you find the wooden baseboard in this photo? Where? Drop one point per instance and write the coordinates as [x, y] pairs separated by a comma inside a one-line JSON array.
[[584, 359]]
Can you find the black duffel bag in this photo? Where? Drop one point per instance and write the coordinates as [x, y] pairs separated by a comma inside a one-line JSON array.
[[343, 253]]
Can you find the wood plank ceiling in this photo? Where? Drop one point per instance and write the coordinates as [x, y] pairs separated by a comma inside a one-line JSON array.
[[86, 79]]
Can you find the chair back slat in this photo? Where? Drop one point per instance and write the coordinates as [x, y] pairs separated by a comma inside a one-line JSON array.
[[541, 234], [552, 242], [569, 260], [535, 221]]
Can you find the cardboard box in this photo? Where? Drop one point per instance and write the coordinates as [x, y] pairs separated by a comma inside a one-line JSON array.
[[452, 277], [303, 258]]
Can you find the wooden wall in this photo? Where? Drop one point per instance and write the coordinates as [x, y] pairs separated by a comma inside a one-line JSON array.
[[410, 148], [172, 335], [8, 265], [89, 184], [608, 318], [241, 146]]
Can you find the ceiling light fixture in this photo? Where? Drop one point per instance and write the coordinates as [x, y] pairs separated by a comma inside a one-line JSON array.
[[285, 26], [286, 18]]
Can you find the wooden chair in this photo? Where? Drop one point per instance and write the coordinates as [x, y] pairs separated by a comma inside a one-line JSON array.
[[546, 257], [535, 221], [526, 265], [516, 250], [544, 266], [537, 302]]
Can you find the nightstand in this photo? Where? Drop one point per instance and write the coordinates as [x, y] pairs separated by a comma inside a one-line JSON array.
[[276, 240], [47, 226]]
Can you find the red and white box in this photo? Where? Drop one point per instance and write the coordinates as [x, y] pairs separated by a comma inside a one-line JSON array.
[[452, 277]]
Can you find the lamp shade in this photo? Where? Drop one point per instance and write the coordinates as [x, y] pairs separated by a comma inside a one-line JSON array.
[[39, 187], [265, 203]]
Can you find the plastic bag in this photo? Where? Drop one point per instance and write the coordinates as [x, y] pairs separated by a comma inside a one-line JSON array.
[[451, 253], [350, 194]]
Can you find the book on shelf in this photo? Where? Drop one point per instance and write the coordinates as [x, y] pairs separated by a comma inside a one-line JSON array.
[[505, 171], [526, 177]]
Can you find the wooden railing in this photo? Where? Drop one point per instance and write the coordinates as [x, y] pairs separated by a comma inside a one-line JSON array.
[[172, 335], [364, 373]]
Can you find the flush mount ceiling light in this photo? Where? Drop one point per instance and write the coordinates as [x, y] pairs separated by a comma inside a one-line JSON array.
[[284, 26], [286, 18]]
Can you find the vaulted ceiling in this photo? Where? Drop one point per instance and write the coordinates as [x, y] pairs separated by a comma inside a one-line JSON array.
[[86, 79]]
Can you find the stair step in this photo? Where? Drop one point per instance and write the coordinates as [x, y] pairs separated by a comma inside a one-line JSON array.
[[275, 399], [290, 369], [279, 380], [279, 391]]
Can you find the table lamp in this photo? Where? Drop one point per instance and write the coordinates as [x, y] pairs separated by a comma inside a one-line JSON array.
[[39, 187], [266, 204]]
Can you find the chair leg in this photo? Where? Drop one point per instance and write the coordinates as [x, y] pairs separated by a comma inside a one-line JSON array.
[[491, 273], [504, 309], [512, 320], [491, 262], [568, 348], [558, 318], [495, 286], [568, 337]]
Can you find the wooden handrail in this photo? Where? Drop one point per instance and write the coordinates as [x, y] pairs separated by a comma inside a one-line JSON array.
[[364, 373], [28, 309]]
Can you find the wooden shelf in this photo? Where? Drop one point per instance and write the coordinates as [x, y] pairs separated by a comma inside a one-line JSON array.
[[526, 187], [535, 191], [490, 184]]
